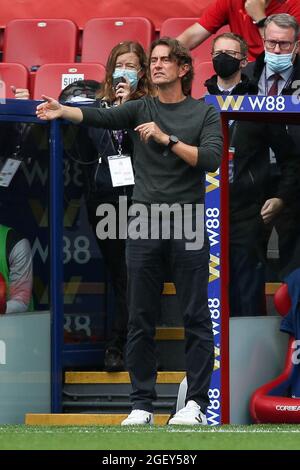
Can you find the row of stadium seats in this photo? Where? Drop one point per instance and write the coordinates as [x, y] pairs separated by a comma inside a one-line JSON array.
[[34, 42], [50, 79]]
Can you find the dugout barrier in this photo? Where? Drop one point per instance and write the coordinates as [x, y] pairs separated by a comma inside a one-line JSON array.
[[216, 210], [271, 109], [18, 112]]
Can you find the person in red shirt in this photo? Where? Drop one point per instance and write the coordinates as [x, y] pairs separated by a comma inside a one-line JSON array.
[[245, 17]]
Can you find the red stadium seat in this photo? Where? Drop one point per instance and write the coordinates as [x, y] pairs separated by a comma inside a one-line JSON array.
[[174, 26], [52, 78], [34, 42], [282, 300], [100, 35], [12, 74], [203, 71]]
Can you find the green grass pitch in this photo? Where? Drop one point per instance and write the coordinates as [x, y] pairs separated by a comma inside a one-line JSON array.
[[259, 437]]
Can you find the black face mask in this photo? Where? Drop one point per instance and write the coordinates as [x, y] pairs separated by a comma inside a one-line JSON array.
[[225, 65]]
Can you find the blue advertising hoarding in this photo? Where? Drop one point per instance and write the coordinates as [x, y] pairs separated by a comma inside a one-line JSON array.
[[261, 108], [256, 103], [212, 221]]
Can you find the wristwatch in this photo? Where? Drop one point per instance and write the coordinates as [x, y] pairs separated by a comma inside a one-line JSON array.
[[173, 139], [260, 23]]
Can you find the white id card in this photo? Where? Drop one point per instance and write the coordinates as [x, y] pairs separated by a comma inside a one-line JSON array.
[[121, 171], [8, 171]]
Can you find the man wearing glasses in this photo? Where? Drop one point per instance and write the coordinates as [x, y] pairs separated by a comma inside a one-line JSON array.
[[229, 58], [279, 61], [247, 282], [276, 72], [251, 204]]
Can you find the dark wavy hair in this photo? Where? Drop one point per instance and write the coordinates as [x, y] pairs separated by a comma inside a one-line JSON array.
[[143, 88], [181, 55]]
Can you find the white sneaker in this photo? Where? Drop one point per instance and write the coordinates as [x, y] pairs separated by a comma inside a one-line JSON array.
[[191, 414], [138, 417]]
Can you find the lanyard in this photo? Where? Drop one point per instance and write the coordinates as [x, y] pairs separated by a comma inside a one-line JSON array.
[[118, 136]]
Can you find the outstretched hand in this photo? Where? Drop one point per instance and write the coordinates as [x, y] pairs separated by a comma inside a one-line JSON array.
[[50, 109]]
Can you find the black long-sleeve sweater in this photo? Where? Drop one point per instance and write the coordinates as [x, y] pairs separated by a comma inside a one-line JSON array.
[[159, 178]]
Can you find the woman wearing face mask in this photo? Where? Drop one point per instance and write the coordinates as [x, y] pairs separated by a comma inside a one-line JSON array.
[[126, 74], [126, 79]]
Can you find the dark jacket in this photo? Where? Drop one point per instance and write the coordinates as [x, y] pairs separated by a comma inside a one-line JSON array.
[[106, 144], [246, 192], [255, 69], [284, 140], [91, 147], [245, 87], [253, 183]]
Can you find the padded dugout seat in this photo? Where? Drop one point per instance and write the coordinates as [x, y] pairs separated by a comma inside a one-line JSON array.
[[100, 35], [12, 74], [52, 78], [174, 26]]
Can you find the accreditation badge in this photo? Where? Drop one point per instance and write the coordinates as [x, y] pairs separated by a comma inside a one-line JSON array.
[[121, 170]]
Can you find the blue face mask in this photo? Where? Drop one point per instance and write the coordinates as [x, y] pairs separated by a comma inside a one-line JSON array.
[[278, 62], [131, 75]]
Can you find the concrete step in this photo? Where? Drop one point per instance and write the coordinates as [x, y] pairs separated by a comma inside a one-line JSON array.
[[78, 287], [104, 392], [118, 377], [74, 419], [270, 288]]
